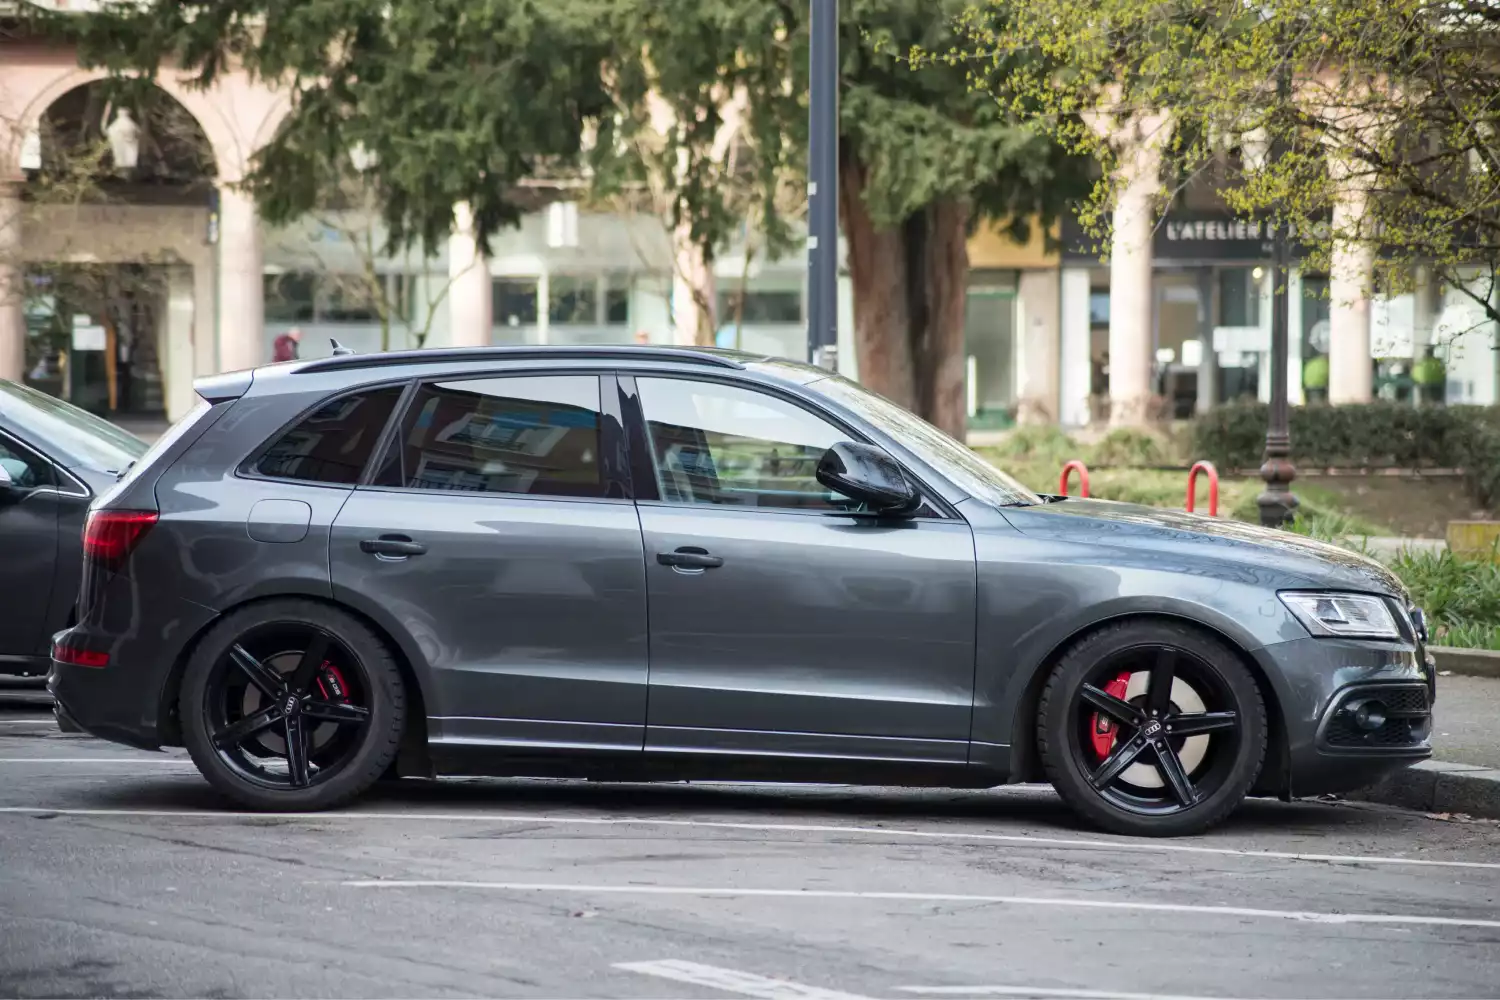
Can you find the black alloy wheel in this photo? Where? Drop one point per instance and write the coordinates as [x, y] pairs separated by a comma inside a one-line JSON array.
[[1152, 728], [292, 705]]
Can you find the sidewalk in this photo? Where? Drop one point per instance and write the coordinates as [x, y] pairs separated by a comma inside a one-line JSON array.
[[1464, 774]]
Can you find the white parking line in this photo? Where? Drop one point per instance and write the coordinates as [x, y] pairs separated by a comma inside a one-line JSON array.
[[734, 892], [733, 981], [1040, 991], [179, 761], [1019, 840]]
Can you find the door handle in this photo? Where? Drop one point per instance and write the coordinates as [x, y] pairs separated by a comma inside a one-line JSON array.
[[392, 545], [689, 557]]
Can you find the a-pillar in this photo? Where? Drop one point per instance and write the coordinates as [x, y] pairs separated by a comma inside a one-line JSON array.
[[242, 308], [12, 292], [470, 303], [1137, 142]]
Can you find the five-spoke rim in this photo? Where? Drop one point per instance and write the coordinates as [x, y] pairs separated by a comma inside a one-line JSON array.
[[1152, 727], [288, 704]]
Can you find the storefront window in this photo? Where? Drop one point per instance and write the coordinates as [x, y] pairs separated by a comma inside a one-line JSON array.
[[989, 338], [1315, 328], [1239, 307]]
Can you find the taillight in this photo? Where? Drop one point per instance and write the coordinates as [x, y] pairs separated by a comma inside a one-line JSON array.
[[65, 652], [109, 536]]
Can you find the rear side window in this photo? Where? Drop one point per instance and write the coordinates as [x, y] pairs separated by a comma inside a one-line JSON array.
[[533, 435], [334, 442]]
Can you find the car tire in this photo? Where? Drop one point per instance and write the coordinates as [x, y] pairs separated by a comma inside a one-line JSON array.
[[366, 753], [1202, 668]]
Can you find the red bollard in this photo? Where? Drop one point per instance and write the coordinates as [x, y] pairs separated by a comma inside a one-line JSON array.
[[1083, 478], [1213, 487]]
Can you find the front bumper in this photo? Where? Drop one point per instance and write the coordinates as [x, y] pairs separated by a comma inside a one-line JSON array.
[[1322, 681]]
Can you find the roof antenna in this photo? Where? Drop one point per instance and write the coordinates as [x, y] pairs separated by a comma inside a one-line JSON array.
[[339, 350]]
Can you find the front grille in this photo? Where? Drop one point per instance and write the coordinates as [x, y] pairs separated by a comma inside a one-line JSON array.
[[1408, 719]]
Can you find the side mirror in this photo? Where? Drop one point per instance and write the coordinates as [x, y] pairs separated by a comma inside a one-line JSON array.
[[867, 474], [8, 489]]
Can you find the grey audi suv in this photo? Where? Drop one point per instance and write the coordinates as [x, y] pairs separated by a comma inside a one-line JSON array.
[[661, 564]]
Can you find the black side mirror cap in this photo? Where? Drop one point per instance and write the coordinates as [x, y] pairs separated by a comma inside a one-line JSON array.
[[867, 474]]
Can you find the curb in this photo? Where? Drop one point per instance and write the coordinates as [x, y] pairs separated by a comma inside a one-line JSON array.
[[1436, 786], [1467, 662]]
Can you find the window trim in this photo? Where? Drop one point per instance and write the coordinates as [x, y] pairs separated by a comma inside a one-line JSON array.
[[246, 468], [54, 471], [613, 472], [643, 457]]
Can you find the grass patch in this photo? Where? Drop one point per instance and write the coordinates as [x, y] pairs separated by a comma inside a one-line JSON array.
[[1461, 596]]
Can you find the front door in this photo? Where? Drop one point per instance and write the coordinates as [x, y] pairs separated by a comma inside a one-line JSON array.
[[498, 533], [28, 537], [777, 626]]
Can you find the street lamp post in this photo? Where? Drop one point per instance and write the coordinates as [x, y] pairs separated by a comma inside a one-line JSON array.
[[1277, 503], [823, 184]]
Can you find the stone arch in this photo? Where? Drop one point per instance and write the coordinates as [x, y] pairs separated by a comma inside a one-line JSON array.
[[236, 114]]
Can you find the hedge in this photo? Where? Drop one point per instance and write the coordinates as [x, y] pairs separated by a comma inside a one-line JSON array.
[[1367, 435]]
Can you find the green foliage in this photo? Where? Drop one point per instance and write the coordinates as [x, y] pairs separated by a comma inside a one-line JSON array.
[[1315, 373], [1045, 443], [1460, 595], [1370, 435], [1429, 371], [1131, 447], [1391, 100]]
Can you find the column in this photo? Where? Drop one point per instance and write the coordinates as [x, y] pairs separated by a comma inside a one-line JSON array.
[[1208, 361], [1137, 187], [242, 326], [1076, 369], [175, 343], [470, 303], [1351, 276], [693, 293], [12, 289], [1040, 342]]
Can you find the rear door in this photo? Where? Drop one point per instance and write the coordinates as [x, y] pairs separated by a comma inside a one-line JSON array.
[[498, 533], [28, 539]]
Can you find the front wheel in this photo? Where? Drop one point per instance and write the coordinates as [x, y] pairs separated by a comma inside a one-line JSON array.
[[1152, 729], [292, 705]]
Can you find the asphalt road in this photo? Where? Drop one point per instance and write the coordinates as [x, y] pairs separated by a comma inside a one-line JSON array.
[[121, 874]]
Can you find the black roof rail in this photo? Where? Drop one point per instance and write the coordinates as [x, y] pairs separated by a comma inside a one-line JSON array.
[[442, 355]]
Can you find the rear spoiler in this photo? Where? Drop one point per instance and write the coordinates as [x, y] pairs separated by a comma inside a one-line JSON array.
[[223, 388]]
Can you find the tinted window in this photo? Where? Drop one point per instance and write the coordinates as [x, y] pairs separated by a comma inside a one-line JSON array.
[[536, 435], [720, 444], [72, 437], [26, 471], [333, 444]]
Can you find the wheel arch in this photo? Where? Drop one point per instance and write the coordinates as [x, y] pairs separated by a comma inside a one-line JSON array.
[[1026, 763], [412, 757]]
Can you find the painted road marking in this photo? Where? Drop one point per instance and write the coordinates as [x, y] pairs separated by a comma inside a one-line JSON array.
[[1020, 840], [1040, 991], [733, 981], [97, 760], [1304, 916]]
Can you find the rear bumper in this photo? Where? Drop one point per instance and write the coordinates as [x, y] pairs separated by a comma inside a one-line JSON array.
[[128, 699], [1325, 680]]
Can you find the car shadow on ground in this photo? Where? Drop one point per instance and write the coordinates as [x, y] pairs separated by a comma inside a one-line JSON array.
[[1021, 809]]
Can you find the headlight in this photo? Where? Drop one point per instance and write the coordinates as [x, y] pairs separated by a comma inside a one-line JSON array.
[[1350, 616]]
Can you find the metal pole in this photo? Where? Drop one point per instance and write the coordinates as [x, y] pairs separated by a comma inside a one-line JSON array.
[[823, 184], [1277, 504]]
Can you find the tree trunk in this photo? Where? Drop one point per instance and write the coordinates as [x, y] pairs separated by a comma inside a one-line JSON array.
[[909, 302]]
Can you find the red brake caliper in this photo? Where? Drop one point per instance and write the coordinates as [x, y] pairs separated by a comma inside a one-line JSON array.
[[331, 683], [1105, 731]]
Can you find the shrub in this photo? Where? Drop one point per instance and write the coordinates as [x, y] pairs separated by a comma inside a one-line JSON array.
[[1129, 447], [1036, 443], [1368, 435], [1461, 596]]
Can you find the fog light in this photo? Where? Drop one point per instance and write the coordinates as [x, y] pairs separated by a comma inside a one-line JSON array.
[[1369, 715]]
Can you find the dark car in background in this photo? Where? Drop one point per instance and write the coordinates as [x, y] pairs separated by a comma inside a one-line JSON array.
[[55, 459], [643, 564]]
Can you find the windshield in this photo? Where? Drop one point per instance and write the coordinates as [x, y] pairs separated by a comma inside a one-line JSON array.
[[75, 437], [968, 471]]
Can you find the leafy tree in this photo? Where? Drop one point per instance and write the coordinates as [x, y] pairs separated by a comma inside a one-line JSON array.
[[1388, 106], [922, 158], [466, 100]]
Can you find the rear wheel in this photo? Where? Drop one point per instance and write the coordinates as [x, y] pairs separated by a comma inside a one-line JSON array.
[[292, 705], [1152, 729]]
